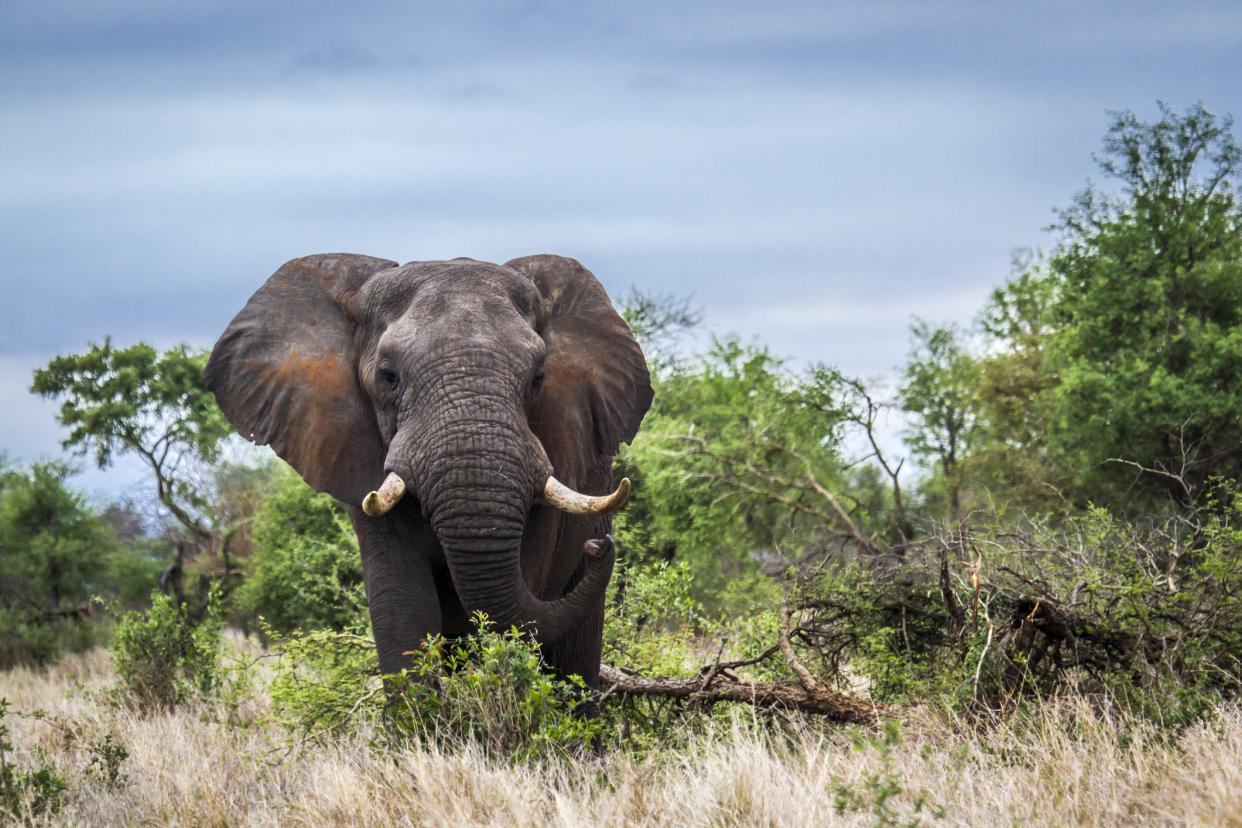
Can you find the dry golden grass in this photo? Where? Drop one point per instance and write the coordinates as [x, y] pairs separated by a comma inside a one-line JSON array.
[[1065, 766]]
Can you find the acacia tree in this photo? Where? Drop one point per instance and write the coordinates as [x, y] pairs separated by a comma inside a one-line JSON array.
[[152, 405], [740, 464], [1148, 349]]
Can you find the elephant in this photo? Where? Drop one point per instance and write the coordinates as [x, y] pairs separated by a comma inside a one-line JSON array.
[[488, 399]]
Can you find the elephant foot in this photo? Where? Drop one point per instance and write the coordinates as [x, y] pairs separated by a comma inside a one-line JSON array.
[[598, 547]]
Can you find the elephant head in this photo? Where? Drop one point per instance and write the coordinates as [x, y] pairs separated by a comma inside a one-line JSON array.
[[468, 388]]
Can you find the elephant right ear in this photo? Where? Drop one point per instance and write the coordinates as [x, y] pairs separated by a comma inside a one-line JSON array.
[[284, 373]]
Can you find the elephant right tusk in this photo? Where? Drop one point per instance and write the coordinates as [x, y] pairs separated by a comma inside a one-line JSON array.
[[576, 503], [380, 501]]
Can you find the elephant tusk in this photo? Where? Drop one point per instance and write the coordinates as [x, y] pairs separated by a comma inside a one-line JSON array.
[[576, 503], [383, 499]]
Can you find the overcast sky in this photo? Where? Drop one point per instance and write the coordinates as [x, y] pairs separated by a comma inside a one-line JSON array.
[[811, 173]]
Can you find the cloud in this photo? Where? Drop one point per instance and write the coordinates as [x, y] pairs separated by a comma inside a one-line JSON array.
[[811, 172]]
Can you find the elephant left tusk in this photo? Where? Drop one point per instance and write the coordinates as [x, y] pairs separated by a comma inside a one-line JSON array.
[[576, 503], [383, 499]]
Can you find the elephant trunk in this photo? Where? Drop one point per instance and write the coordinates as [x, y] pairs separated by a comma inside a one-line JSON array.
[[477, 491]]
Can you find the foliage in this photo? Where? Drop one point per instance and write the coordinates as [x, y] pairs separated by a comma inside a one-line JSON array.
[[325, 682], [304, 571], [652, 618], [882, 788], [1144, 615], [140, 401], [495, 691], [1148, 347], [55, 552], [490, 689], [1012, 459], [938, 392], [27, 792], [162, 658], [738, 466], [107, 756]]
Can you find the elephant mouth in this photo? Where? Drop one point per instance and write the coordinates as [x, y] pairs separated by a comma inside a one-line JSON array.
[[555, 493]]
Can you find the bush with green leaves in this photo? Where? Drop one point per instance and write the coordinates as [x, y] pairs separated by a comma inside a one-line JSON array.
[[163, 658], [325, 682], [879, 791], [652, 618], [107, 756], [1145, 614], [305, 572], [26, 792], [495, 691], [490, 689]]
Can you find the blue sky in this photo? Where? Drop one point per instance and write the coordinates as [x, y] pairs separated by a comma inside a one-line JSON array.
[[812, 173]]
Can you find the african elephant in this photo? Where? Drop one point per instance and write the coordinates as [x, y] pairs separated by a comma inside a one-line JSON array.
[[467, 385]]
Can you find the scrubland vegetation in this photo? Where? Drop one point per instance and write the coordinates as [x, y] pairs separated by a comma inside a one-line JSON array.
[[1031, 612]]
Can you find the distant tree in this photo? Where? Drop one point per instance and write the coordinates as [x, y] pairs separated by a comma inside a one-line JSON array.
[[56, 552], [139, 401], [938, 391], [1011, 453], [1148, 310], [659, 322], [54, 548], [152, 405]]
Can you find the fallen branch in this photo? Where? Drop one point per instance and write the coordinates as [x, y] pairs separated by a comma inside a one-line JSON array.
[[824, 701], [716, 685]]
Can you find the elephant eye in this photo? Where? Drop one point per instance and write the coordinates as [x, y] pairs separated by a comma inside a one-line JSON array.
[[389, 378], [536, 382]]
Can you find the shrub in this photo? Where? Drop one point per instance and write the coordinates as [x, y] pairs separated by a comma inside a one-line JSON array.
[[55, 549], [305, 570], [494, 690], [107, 755], [490, 689], [651, 618], [1145, 614], [162, 658], [325, 682], [26, 792]]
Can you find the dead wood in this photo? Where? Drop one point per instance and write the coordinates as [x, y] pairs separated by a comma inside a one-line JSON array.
[[717, 684]]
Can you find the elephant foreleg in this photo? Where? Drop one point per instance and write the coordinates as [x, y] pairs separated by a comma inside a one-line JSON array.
[[401, 591]]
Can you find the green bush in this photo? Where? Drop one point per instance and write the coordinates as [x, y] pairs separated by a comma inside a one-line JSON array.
[[325, 682], [26, 792], [162, 657], [490, 689], [107, 755], [1144, 614], [651, 621], [305, 572], [38, 641]]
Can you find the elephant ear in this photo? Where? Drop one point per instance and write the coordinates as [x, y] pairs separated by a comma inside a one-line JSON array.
[[596, 386], [284, 373]]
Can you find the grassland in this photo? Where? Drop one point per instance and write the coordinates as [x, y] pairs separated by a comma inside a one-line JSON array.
[[1063, 764]]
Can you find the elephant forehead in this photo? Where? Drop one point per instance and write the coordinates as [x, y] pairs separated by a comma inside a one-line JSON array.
[[435, 289]]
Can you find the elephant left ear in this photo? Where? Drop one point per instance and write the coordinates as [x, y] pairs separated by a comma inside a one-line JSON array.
[[596, 385]]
